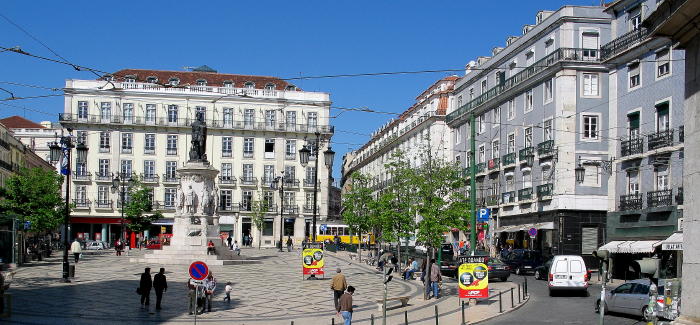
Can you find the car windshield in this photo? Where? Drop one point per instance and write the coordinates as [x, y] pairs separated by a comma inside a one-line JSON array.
[[494, 260]]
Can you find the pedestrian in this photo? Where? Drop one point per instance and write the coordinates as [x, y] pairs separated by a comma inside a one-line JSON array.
[[423, 268], [344, 307], [235, 248], [435, 278], [228, 290], [229, 240], [161, 285], [209, 287], [117, 244], [289, 243], [338, 285], [410, 268], [250, 240], [145, 287], [210, 248], [76, 249], [191, 296]]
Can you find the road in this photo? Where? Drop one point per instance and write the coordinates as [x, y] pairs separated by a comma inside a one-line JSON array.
[[562, 309]]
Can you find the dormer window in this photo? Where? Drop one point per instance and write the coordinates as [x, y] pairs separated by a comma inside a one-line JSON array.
[[152, 80], [201, 82], [174, 81], [129, 79], [108, 78], [291, 88], [249, 85], [270, 86], [228, 84]]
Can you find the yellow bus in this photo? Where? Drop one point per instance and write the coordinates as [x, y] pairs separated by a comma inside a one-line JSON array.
[[342, 231]]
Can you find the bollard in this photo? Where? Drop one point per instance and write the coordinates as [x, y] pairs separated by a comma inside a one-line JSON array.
[[437, 321], [525, 283], [405, 317], [500, 303], [332, 321], [512, 304], [292, 322], [464, 321], [371, 319], [518, 293]]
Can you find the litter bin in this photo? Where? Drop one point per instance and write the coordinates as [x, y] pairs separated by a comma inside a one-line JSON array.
[[71, 271]]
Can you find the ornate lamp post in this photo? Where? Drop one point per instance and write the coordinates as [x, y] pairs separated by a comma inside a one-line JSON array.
[[304, 154], [61, 150], [119, 182], [274, 186]]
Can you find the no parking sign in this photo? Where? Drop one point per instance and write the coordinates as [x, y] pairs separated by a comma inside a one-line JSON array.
[[199, 270]]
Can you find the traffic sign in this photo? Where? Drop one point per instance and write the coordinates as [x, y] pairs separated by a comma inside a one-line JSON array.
[[199, 270], [323, 227], [532, 232], [484, 214]]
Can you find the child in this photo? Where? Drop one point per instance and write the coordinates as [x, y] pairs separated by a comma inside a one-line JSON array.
[[228, 291]]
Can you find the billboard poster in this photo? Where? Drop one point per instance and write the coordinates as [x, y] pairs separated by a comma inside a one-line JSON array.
[[473, 280], [312, 261]]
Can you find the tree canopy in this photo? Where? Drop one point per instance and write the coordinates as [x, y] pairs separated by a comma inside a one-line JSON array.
[[34, 195], [138, 209]]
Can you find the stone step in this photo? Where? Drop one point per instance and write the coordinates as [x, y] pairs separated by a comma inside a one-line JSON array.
[[187, 261]]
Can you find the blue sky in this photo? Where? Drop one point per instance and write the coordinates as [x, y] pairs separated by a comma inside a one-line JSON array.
[[278, 38]]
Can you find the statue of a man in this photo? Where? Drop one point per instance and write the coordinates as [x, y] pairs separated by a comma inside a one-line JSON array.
[[189, 200], [199, 138], [203, 200], [179, 199]]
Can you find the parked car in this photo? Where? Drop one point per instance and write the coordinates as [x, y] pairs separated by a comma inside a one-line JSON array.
[[154, 245], [95, 245], [498, 269], [542, 270], [448, 262], [568, 272], [631, 298], [522, 261]]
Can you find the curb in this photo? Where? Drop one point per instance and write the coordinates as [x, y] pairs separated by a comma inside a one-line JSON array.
[[505, 312]]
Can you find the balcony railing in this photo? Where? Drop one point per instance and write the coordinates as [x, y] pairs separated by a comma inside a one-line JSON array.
[[171, 151], [631, 202], [559, 55], [633, 146], [545, 148], [660, 139], [103, 204], [229, 207], [170, 179], [509, 159], [480, 167], [492, 200], [310, 183], [82, 176], [525, 194], [679, 196], [545, 190], [660, 198], [291, 183], [524, 153], [508, 197], [623, 43], [248, 181], [291, 209], [149, 178], [81, 203], [310, 209], [227, 180], [103, 177], [494, 163]]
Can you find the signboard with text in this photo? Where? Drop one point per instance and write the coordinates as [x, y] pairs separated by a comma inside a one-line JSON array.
[[473, 280], [312, 261]]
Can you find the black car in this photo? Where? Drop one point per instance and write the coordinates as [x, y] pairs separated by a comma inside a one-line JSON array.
[[542, 270], [448, 261], [523, 261], [498, 269]]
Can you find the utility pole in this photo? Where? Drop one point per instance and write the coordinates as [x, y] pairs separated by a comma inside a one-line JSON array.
[[472, 185]]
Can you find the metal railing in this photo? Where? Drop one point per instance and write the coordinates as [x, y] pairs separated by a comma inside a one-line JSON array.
[[103, 204], [82, 176], [291, 183], [248, 181], [545, 148], [494, 163], [509, 159], [310, 208], [632, 146], [508, 197], [230, 207], [291, 209], [152, 178], [660, 139], [623, 43], [81, 203], [107, 177], [310, 183], [480, 167], [526, 152], [545, 190], [631, 202], [661, 198], [227, 180], [170, 179], [525, 194], [492, 200]]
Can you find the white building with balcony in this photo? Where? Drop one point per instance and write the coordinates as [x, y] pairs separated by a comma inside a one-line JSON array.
[[136, 123]]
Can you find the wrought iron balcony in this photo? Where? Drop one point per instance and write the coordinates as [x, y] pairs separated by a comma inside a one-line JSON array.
[[227, 180], [660, 198], [310, 183], [103, 204], [245, 206], [291, 183], [545, 148], [82, 176], [81, 203], [679, 196], [249, 181], [632, 146], [480, 167], [492, 200], [171, 151], [149, 178], [623, 43], [494, 163], [509, 159], [508, 197], [170, 179], [660, 139], [545, 190], [631, 202], [524, 153], [291, 209], [229, 207], [310, 209], [525, 194], [103, 177]]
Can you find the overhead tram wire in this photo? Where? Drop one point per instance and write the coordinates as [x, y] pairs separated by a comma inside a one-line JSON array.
[[29, 85]]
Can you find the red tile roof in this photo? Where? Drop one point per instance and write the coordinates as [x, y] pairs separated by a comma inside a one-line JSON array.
[[190, 78], [18, 122]]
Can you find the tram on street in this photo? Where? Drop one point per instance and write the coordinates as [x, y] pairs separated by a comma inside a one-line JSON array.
[[329, 231]]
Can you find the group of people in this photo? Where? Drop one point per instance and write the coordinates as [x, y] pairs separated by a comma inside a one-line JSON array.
[[233, 245], [342, 296], [200, 294], [159, 283], [248, 240]]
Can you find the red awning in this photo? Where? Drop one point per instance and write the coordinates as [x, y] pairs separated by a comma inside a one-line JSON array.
[[114, 221]]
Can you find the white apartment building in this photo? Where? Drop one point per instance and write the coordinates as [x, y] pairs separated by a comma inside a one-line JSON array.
[[36, 136], [137, 123]]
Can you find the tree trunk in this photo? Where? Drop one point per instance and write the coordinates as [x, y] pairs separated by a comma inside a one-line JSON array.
[[426, 275]]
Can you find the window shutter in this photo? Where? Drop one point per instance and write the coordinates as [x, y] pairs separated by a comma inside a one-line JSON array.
[[589, 240], [590, 41], [634, 120]]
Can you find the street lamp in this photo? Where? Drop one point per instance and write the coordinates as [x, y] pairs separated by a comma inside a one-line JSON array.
[[60, 150], [274, 186], [304, 154], [120, 183], [581, 171]]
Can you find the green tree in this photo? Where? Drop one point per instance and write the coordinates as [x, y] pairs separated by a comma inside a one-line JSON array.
[[34, 195], [358, 203], [397, 203], [138, 210], [259, 209]]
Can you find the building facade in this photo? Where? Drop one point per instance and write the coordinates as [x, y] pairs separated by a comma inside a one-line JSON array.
[[539, 106], [646, 105], [36, 136], [136, 123]]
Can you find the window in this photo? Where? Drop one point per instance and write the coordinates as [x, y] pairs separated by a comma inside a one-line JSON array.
[[81, 168], [126, 168], [105, 138], [248, 172], [81, 137], [511, 143], [633, 181], [482, 153], [82, 109], [226, 200], [289, 201], [269, 148], [150, 113], [510, 183], [663, 63], [480, 124], [170, 169], [291, 119], [81, 194], [173, 81], [201, 109], [548, 90], [590, 127], [226, 146], [228, 84], [248, 147], [634, 75], [496, 116], [270, 86], [226, 171], [290, 149], [529, 102], [247, 200], [268, 199], [171, 144], [529, 58], [103, 195], [591, 175], [662, 179], [172, 113], [228, 117], [149, 143], [105, 111], [484, 85], [268, 174], [458, 160], [495, 153], [547, 130], [270, 118], [511, 109], [633, 125], [457, 134], [310, 175], [103, 170], [662, 117], [500, 78], [291, 88], [590, 84], [312, 120], [268, 228], [589, 44], [471, 94], [152, 80], [149, 169], [248, 117], [528, 137], [169, 198], [634, 18], [546, 172], [129, 79], [459, 101], [249, 85], [548, 46], [527, 179], [128, 112], [127, 142], [290, 173], [201, 82]]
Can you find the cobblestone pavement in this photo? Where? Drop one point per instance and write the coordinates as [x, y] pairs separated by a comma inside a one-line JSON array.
[[273, 292]]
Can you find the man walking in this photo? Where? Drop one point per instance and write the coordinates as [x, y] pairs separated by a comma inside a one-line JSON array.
[[161, 285], [289, 243], [344, 307], [145, 286], [229, 240], [76, 249], [435, 278], [338, 285]]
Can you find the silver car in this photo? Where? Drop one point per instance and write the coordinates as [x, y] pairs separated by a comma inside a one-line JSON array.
[[631, 298]]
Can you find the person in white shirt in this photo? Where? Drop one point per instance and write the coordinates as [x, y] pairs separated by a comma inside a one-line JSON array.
[[235, 248], [209, 287], [228, 290], [76, 249]]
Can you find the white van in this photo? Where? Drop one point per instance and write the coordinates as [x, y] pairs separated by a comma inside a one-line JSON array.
[[568, 272]]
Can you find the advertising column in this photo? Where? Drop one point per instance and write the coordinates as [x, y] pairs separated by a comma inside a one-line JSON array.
[[312, 259]]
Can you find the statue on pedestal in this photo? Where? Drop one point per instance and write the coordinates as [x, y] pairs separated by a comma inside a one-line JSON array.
[[189, 200], [199, 139]]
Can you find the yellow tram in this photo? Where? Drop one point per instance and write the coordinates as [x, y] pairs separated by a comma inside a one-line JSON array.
[[328, 232]]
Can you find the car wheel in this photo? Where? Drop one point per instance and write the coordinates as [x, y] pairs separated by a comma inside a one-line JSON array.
[[537, 274], [646, 314], [551, 293], [586, 293]]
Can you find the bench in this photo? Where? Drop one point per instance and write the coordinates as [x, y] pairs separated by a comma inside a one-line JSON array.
[[404, 301]]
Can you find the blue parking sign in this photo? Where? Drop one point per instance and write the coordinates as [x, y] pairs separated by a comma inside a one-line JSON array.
[[323, 227], [483, 214]]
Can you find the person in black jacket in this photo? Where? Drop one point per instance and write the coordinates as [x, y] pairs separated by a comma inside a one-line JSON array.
[[161, 285], [145, 287]]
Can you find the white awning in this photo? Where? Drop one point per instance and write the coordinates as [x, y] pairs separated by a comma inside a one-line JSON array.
[[631, 246], [673, 242], [163, 222], [227, 220], [526, 227]]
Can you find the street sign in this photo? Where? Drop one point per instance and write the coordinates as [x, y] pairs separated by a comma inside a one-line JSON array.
[[323, 227], [199, 270], [473, 280], [532, 232], [484, 214]]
